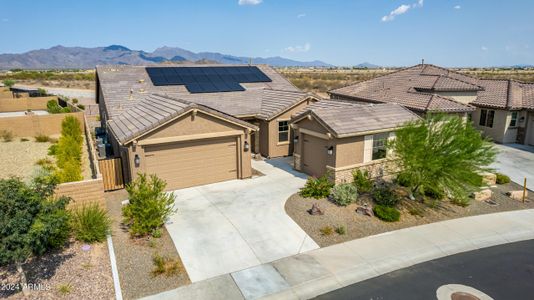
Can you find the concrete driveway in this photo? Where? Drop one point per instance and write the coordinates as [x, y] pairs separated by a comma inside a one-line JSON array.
[[234, 225], [516, 161]]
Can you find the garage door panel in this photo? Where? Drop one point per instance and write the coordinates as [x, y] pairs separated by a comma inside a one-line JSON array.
[[192, 163], [314, 155]]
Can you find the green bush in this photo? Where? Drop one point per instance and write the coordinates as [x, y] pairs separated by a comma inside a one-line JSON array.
[[404, 180], [385, 197], [24, 140], [90, 224], [53, 107], [41, 138], [52, 150], [341, 230], [502, 179], [68, 151], [149, 205], [72, 127], [362, 181], [70, 172], [75, 101], [434, 192], [317, 187], [6, 135], [344, 194], [327, 230], [9, 83], [385, 213], [81, 106]]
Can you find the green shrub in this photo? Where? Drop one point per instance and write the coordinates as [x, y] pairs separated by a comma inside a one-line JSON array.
[[317, 187], [434, 192], [502, 179], [404, 180], [72, 127], [156, 233], [362, 181], [81, 106], [327, 230], [341, 230], [149, 205], [70, 172], [385, 197], [24, 140], [165, 265], [90, 223], [53, 107], [6, 135], [75, 101], [385, 213], [344, 194], [461, 201], [41, 138], [52, 150], [9, 83]]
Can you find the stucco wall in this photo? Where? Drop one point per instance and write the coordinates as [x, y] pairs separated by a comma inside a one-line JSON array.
[[28, 126], [463, 97], [501, 131], [83, 192], [24, 104]]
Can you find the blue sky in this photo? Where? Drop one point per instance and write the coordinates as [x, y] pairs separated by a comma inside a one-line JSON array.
[[341, 32]]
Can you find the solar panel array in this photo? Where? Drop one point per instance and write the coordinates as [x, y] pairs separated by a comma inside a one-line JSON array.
[[207, 79]]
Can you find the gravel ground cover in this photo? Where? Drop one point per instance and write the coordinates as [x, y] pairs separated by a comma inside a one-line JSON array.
[[70, 273], [134, 256], [18, 158], [359, 226]]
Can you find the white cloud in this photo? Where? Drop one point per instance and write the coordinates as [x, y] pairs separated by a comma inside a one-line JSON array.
[[404, 8], [301, 16], [457, 7], [484, 48], [299, 48], [249, 2]]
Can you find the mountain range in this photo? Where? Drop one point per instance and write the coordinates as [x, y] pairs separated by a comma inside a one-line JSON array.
[[60, 57]]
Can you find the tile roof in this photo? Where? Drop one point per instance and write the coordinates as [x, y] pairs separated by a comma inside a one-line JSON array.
[[348, 119], [153, 110], [124, 86], [417, 87]]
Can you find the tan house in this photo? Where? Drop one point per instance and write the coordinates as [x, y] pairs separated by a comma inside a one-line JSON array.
[[196, 124], [501, 109], [338, 137]]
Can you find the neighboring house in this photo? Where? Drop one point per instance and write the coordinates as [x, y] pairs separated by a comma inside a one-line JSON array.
[[339, 137], [196, 124], [502, 109]]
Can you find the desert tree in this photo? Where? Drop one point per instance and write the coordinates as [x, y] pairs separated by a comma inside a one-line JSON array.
[[442, 153]]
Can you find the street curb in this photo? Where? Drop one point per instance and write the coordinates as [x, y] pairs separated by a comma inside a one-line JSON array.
[[114, 270]]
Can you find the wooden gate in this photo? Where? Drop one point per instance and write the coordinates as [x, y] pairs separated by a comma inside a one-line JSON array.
[[111, 170]]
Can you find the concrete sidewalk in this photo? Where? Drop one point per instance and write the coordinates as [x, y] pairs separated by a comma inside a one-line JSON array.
[[322, 270]]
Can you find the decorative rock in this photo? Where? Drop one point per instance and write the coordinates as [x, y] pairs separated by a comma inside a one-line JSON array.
[[315, 210], [482, 195], [364, 210], [489, 178], [517, 195]]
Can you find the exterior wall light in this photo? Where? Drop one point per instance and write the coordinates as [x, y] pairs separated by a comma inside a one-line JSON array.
[[246, 146], [330, 150], [137, 161], [296, 139]]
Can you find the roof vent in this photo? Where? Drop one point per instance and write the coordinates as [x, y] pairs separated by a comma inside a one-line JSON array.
[[423, 61], [141, 81]]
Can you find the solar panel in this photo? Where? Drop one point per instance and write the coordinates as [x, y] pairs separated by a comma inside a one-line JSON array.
[[207, 79]]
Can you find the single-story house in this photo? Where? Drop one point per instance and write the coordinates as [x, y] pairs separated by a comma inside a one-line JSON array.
[[196, 124], [337, 137], [501, 109]]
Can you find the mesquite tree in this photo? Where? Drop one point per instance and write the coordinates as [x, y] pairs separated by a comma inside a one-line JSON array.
[[442, 153]]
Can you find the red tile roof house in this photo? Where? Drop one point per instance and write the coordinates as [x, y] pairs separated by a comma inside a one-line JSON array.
[[196, 124], [502, 109]]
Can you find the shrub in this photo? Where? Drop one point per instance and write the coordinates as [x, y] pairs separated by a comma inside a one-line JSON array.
[[81, 106], [461, 201], [149, 205], [24, 140], [53, 107], [404, 180], [502, 179], [90, 224], [385, 197], [434, 192], [156, 233], [68, 151], [70, 172], [75, 101], [7, 136], [65, 289], [9, 83], [385, 213], [317, 187], [327, 230], [341, 230], [362, 181], [165, 265], [71, 127], [344, 194], [52, 150], [42, 138]]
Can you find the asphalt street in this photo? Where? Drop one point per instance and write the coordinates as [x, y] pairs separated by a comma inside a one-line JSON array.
[[502, 272]]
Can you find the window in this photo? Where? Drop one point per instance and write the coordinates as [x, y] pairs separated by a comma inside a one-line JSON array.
[[283, 131], [379, 145], [513, 121], [486, 118]]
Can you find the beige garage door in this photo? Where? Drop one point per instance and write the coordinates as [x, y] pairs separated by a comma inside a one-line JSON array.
[[314, 156], [193, 163]]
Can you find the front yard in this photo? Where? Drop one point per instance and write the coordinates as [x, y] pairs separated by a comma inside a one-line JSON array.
[[413, 213]]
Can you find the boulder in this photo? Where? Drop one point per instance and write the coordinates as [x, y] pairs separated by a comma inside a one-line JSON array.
[[489, 178], [315, 210], [482, 195], [364, 210], [517, 195]]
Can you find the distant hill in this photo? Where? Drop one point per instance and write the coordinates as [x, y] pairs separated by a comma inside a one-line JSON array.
[[367, 65], [60, 57]]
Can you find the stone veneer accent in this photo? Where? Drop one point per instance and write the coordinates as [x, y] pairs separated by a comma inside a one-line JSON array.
[[377, 169]]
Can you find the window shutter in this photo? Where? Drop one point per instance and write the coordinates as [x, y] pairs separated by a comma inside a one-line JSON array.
[[368, 148]]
